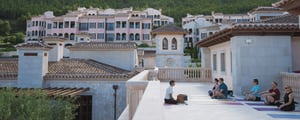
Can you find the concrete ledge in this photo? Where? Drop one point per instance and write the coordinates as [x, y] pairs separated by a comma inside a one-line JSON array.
[[151, 106]]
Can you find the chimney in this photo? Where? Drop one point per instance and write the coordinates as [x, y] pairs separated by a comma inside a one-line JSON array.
[[57, 43], [32, 64]]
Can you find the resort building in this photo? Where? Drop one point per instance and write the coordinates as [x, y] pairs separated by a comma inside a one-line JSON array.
[[253, 50], [202, 26], [102, 25], [90, 73]]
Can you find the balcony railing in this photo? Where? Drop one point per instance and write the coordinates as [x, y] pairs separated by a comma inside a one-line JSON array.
[[293, 80], [185, 74]]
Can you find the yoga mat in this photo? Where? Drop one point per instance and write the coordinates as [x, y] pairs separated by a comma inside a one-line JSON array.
[[267, 109], [257, 104], [232, 103], [284, 116]]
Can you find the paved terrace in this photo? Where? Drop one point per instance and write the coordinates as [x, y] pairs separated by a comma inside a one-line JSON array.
[[202, 107]]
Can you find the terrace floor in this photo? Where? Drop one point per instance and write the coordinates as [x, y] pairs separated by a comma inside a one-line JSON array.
[[201, 107]]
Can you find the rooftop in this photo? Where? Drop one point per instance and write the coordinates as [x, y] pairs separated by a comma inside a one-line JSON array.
[[68, 69], [33, 45], [201, 106], [281, 25], [104, 45], [169, 29]]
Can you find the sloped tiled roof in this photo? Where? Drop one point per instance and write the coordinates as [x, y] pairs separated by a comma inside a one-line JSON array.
[[169, 29], [69, 69], [104, 45], [281, 25], [265, 8], [33, 45], [282, 3], [281, 19]]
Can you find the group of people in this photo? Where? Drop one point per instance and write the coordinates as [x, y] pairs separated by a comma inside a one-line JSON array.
[[220, 90], [272, 96]]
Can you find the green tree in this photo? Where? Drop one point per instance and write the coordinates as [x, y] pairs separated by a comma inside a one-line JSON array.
[[5, 27], [34, 105]]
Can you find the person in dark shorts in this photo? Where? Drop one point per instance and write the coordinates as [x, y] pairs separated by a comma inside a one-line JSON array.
[[215, 88], [253, 94], [289, 102], [271, 96], [223, 90], [169, 99]]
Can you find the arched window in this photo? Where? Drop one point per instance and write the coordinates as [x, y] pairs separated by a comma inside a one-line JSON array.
[[174, 44], [60, 35], [137, 36], [72, 36], [131, 36], [165, 44], [67, 35], [124, 36], [54, 34], [118, 36]]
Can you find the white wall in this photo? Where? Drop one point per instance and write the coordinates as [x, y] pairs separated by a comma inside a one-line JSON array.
[[296, 53], [125, 59], [31, 69], [218, 49], [261, 57]]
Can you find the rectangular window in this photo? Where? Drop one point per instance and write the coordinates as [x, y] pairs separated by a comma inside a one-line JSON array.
[[110, 26], [61, 25], [203, 35], [100, 36], [51, 43], [146, 36], [72, 24], [214, 62], [100, 25], [83, 27], [92, 25], [110, 37], [30, 54], [54, 24], [124, 24], [49, 26], [223, 62], [146, 26], [131, 25], [137, 25], [118, 24], [67, 24]]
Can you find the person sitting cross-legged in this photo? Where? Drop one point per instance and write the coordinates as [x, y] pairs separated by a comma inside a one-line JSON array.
[[215, 88], [289, 102], [169, 99], [253, 94], [271, 96], [223, 90]]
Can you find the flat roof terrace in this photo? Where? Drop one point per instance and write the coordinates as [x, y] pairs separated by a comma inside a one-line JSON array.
[[201, 107]]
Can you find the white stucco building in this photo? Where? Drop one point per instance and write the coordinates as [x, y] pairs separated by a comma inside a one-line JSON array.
[[90, 73], [103, 25], [169, 46], [253, 50]]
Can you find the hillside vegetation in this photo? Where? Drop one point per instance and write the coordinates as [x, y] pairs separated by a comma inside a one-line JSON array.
[[17, 11]]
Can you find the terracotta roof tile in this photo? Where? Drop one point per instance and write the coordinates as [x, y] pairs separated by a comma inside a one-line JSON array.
[[282, 3], [33, 45], [265, 8], [104, 45], [287, 18], [249, 29], [69, 69], [169, 28]]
